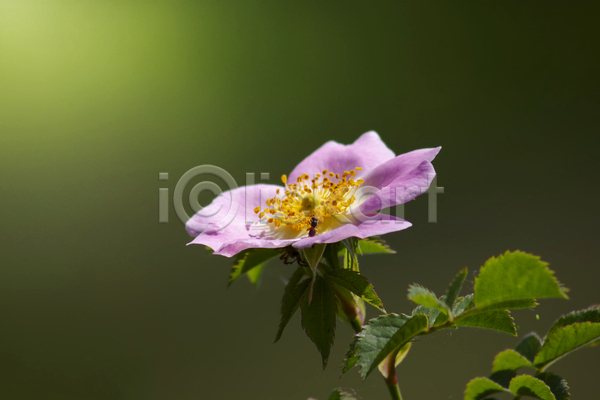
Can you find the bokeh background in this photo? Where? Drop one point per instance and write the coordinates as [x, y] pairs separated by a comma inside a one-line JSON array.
[[100, 301]]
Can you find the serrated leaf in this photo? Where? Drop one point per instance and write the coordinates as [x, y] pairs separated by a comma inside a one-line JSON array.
[[591, 314], [384, 366], [373, 246], [463, 304], [357, 284], [454, 288], [527, 385], [292, 298], [478, 388], [249, 259], [558, 386], [367, 343], [339, 394], [565, 340], [350, 359], [425, 297], [515, 276], [409, 330], [319, 317], [499, 320], [529, 346], [510, 360], [434, 316]]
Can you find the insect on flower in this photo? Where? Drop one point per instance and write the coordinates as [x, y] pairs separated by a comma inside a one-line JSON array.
[[313, 227]]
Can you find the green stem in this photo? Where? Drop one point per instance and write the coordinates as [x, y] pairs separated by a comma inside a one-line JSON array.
[[392, 385], [391, 380]]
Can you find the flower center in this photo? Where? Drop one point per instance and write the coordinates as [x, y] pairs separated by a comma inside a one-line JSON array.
[[322, 197]]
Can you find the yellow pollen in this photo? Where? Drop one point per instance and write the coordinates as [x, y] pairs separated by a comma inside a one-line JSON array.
[[322, 197]]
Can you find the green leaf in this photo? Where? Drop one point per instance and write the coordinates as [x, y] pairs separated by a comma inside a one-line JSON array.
[[558, 386], [565, 340], [499, 320], [374, 336], [462, 304], [292, 298], [350, 257], [319, 317], [425, 297], [591, 314], [339, 394], [434, 316], [529, 346], [254, 274], [409, 330], [527, 385], [478, 388], [357, 284], [510, 360], [454, 288], [350, 359], [512, 305], [312, 255], [503, 378], [373, 246], [249, 259], [515, 276], [332, 253]]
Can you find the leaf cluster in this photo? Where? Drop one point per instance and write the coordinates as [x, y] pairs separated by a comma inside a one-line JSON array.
[[569, 333], [513, 280], [330, 288]]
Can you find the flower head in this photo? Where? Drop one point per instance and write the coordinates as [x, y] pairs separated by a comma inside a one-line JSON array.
[[331, 195]]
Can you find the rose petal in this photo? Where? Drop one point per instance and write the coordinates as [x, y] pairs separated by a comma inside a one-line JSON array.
[[367, 152], [229, 217], [379, 225], [398, 181]]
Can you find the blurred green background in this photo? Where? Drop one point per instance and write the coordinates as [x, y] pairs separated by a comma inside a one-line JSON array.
[[99, 301]]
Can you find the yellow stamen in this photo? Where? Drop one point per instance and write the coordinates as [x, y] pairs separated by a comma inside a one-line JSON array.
[[309, 198]]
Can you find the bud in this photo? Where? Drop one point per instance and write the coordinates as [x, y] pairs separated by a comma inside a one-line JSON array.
[[351, 308]]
